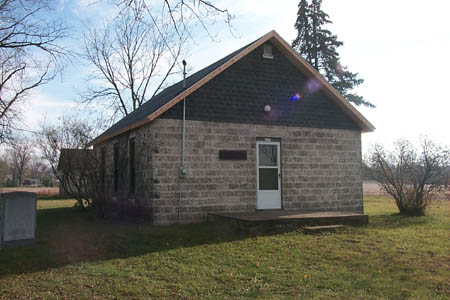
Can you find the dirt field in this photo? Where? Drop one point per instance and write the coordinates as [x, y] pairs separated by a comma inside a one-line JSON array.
[[369, 188], [41, 191], [372, 188]]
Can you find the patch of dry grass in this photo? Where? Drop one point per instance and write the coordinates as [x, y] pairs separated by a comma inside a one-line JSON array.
[[40, 191]]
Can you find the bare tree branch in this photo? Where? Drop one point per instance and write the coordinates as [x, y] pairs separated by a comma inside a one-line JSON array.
[[30, 54], [133, 56], [184, 15], [20, 154], [73, 169]]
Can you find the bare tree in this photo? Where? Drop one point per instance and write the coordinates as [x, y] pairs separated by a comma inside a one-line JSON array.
[[20, 155], [133, 57], [184, 15], [4, 169], [29, 53], [63, 146], [411, 176], [37, 168]]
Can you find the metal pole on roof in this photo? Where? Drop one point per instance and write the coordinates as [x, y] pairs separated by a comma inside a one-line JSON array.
[[182, 168]]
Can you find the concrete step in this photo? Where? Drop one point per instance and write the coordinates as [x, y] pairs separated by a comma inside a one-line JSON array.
[[316, 229]]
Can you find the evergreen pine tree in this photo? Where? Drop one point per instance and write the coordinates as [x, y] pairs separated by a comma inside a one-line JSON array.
[[318, 46]]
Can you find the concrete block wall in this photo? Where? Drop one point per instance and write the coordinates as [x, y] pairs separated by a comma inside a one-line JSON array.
[[321, 169]]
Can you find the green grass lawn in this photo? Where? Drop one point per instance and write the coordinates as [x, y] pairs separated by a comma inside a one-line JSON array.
[[79, 257]]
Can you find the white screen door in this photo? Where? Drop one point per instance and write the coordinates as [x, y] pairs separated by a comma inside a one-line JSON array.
[[268, 175]]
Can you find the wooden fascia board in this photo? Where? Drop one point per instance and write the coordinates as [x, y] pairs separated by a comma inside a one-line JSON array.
[[189, 90], [308, 70]]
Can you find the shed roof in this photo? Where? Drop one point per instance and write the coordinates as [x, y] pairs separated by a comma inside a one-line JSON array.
[[163, 101]]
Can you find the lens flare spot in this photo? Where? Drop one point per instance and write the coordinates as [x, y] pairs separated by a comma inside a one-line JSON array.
[[313, 85], [296, 97]]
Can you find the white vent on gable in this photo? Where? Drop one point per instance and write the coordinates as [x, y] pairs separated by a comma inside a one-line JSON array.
[[267, 51]]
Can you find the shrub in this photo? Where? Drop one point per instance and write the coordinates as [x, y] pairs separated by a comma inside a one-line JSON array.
[[412, 176]]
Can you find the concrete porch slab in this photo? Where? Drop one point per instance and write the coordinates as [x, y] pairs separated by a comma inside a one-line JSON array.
[[280, 216]]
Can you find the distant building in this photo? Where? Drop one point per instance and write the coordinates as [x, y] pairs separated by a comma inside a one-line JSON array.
[[35, 182], [73, 167]]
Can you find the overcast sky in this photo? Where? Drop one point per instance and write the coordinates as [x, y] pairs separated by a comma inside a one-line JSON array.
[[400, 48]]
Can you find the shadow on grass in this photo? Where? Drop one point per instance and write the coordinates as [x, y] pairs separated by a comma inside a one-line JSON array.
[[67, 236], [396, 221]]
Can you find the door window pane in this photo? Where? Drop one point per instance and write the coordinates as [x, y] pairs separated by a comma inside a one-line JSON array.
[[268, 155], [268, 179]]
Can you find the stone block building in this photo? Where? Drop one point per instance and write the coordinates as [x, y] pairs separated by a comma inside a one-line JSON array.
[[258, 129]]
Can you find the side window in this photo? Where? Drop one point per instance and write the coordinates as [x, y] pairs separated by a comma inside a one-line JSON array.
[[116, 167], [132, 166]]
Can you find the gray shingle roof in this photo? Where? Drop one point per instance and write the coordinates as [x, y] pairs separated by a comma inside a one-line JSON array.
[[165, 96]]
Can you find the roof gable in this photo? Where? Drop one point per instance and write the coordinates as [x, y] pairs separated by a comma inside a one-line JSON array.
[[239, 95], [175, 93]]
